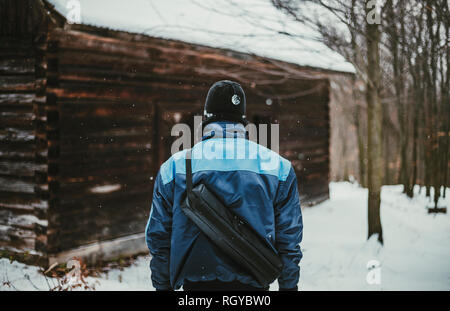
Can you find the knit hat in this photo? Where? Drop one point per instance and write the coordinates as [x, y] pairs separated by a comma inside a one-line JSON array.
[[225, 102]]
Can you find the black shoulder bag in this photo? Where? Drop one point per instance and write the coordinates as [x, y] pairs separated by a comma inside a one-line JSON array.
[[233, 235]]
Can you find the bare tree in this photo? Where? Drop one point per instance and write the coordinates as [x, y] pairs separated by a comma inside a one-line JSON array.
[[374, 126]]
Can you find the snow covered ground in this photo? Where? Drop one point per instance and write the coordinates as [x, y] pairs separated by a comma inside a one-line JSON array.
[[415, 256], [416, 251]]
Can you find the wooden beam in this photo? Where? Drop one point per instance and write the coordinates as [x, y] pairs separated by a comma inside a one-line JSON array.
[[104, 250]]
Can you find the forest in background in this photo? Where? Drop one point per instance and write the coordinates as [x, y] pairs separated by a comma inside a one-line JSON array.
[[414, 87], [401, 110]]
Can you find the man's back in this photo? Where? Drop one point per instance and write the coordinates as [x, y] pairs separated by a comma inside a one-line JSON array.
[[253, 181]]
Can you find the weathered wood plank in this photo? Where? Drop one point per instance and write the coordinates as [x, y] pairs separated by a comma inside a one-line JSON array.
[[21, 168], [16, 135], [22, 221], [17, 98], [16, 65], [124, 194], [16, 185]]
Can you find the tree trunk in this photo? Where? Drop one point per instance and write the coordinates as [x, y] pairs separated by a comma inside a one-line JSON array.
[[360, 132], [415, 138], [374, 122]]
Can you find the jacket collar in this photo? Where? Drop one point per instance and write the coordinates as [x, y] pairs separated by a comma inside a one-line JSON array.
[[224, 130]]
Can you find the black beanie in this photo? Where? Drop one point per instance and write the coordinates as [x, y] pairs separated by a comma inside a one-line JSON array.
[[225, 102]]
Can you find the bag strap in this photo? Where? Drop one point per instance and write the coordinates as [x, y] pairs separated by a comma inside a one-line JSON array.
[[188, 171]]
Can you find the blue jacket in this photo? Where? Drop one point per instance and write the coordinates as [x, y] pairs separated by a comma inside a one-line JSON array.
[[255, 182]]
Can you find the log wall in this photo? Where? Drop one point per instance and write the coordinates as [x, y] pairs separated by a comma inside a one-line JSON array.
[[23, 152], [305, 140], [24, 187]]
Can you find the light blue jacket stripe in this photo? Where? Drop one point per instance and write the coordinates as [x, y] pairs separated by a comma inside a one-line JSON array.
[[214, 153]]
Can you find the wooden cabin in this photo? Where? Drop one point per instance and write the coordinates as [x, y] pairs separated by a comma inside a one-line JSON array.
[[85, 120]]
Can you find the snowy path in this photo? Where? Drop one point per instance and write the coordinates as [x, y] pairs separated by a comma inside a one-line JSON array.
[[416, 254]]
